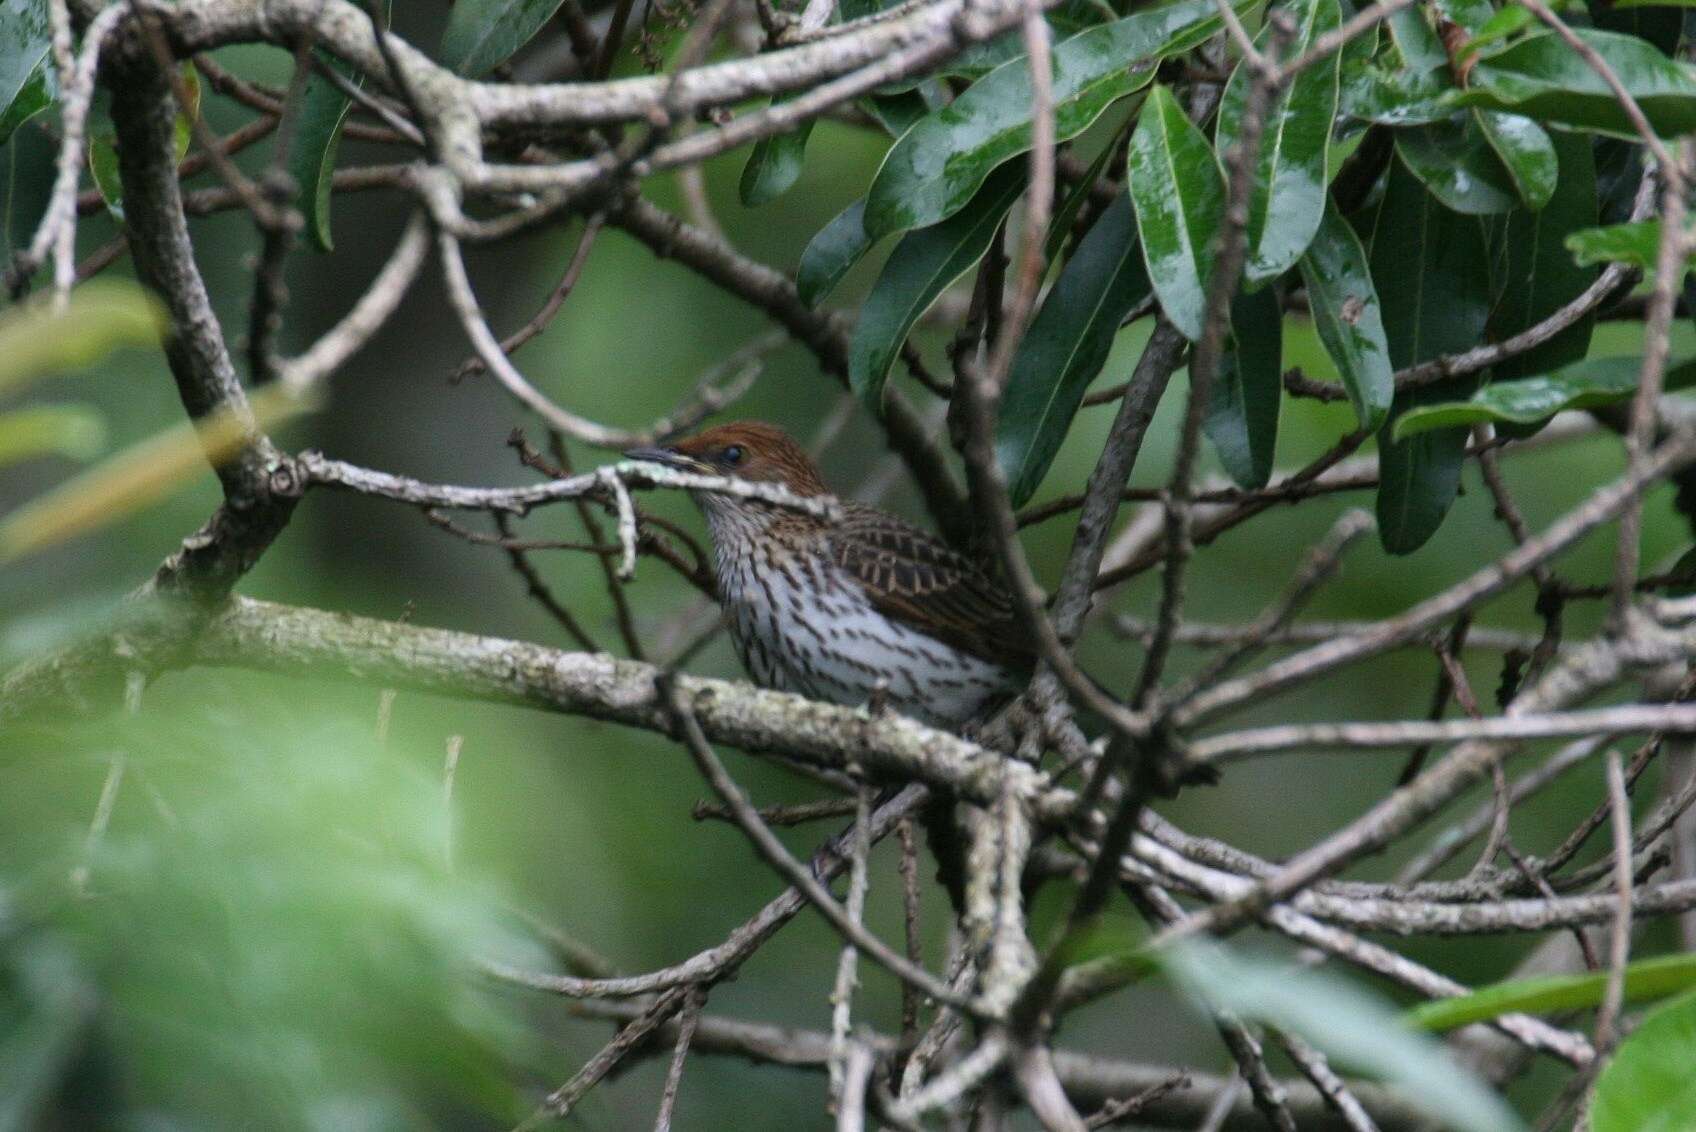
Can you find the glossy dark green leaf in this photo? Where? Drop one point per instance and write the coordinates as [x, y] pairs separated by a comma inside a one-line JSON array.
[[1648, 1086], [1354, 1027], [1645, 981], [774, 165], [1432, 273], [1242, 412], [312, 155], [1532, 400], [920, 268], [1455, 162], [1348, 318], [1287, 193], [1371, 93], [1526, 151], [27, 81], [1538, 275], [1066, 346], [833, 249], [481, 34], [938, 165], [1541, 76], [1179, 196], [1502, 25]]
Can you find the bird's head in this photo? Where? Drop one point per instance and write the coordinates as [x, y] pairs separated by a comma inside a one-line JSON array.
[[744, 450]]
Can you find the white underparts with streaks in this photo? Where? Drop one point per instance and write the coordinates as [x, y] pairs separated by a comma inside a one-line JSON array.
[[800, 624]]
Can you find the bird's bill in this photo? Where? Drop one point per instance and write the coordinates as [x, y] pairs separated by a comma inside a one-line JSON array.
[[666, 457]]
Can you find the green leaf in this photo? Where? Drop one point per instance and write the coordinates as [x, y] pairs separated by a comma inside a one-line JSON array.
[[833, 249], [1060, 225], [76, 431], [1539, 276], [1179, 196], [103, 145], [1636, 242], [937, 166], [920, 268], [1455, 162], [1396, 98], [1432, 274], [1347, 316], [1542, 77], [1416, 42], [1242, 412], [482, 34], [100, 316], [1350, 1025], [1645, 981], [1526, 151], [1531, 400], [1287, 195], [26, 42], [896, 113], [317, 138], [1504, 24], [39, 1043], [1066, 346], [775, 165], [1648, 1087]]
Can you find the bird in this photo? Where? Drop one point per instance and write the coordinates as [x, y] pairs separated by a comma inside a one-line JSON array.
[[854, 607]]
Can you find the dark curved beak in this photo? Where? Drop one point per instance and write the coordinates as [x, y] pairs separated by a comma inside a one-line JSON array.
[[663, 456]]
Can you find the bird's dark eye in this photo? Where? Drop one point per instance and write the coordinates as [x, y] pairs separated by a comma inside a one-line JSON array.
[[733, 454]]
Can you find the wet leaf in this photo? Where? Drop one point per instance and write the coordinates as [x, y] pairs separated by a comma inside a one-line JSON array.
[[1542, 77], [1455, 162], [1348, 318], [937, 166], [1526, 151], [1179, 197], [1287, 195]]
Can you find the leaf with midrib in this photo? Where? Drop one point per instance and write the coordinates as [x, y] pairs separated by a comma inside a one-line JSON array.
[[25, 73], [1179, 196], [1543, 78], [1248, 389], [920, 268], [938, 164], [1433, 281], [1586, 385], [1347, 317], [1066, 346], [1287, 195]]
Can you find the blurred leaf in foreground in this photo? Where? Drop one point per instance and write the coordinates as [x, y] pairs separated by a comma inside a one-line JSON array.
[[268, 935], [36, 341], [1648, 1087]]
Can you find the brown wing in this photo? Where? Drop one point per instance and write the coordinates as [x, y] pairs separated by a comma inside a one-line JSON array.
[[914, 577]]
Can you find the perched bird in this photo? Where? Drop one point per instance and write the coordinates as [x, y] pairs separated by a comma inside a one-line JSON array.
[[835, 609]]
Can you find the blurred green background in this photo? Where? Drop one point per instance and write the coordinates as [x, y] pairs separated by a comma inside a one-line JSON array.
[[282, 864]]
